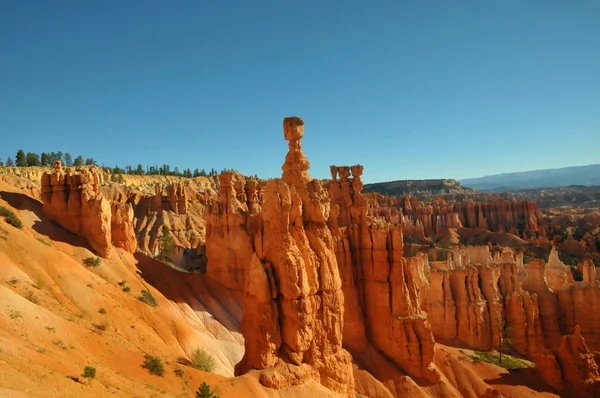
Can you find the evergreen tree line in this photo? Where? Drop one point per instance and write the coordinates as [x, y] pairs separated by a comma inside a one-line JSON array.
[[164, 170], [47, 159]]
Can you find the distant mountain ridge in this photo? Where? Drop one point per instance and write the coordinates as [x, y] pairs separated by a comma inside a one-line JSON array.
[[548, 178]]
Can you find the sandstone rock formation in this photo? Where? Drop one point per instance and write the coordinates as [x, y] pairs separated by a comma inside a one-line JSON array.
[[283, 243], [176, 199], [384, 313], [294, 305], [467, 299], [122, 227], [230, 230], [423, 220], [73, 200]]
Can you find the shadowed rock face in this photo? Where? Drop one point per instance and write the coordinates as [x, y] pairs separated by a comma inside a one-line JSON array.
[[73, 200]]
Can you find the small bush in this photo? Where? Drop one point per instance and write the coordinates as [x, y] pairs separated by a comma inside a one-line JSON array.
[[178, 372], [101, 326], [102, 311], [58, 342], [126, 288], [10, 217], [14, 314], [13, 281], [148, 298], [154, 365], [204, 391], [203, 360], [89, 372], [92, 261]]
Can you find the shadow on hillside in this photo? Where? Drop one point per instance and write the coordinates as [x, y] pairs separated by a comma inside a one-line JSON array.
[[201, 293], [43, 226], [519, 377]]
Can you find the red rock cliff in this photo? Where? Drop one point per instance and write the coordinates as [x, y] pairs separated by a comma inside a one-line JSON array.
[[73, 200]]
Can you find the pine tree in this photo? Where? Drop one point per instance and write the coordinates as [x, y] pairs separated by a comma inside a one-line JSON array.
[[204, 391], [505, 339], [21, 158], [45, 159], [140, 170], [9, 162], [33, 159], [89, 161], [78, 161], [176, 171], [166, 247], [68, 159]]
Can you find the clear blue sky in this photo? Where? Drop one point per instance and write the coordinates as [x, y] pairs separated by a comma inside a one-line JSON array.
[[409, 89]]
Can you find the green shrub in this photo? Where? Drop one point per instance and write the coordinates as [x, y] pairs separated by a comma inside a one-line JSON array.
[[89, 372], [178, 372], [126, 288], [10, 217], [102, 311], [508, 362], [204, 391], [148, 298], [203, 360], [154, 365], [92, 261]]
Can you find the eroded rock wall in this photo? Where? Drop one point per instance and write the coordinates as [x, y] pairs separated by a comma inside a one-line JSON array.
[[383, 289], [73, 200]]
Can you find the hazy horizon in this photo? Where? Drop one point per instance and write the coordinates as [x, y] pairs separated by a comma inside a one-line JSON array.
[[410, 91]]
